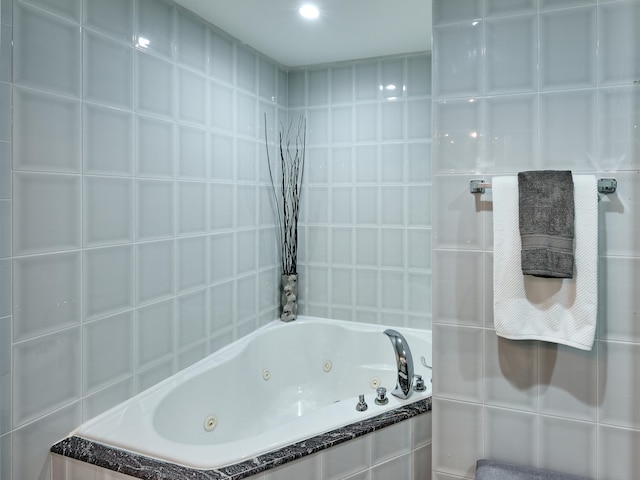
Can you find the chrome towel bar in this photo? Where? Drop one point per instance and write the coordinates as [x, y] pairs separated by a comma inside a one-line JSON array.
[[605, 185]]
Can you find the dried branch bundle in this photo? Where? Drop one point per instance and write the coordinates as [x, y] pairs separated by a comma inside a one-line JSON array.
[[286, 191]]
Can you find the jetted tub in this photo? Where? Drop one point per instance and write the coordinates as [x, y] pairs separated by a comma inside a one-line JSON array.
[[282, 384]]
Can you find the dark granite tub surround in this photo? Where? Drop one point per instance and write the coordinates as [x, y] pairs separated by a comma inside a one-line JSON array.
[[147, 468]]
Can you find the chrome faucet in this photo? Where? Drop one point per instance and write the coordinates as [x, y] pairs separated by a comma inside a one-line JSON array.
[[405, 363]]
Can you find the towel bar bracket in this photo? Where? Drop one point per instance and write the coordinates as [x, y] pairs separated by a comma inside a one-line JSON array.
[[605, 185]]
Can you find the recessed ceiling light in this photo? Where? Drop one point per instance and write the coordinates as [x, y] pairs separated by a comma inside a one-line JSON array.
[[309, 11]]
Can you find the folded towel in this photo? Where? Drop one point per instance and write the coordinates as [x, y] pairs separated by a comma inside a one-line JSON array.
[[549, 309], [546, 223], [494, 470]]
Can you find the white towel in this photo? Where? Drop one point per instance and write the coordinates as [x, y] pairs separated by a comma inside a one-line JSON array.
[[549, 309]]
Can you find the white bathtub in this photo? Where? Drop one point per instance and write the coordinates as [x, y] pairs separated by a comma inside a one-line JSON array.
[[283, 383]]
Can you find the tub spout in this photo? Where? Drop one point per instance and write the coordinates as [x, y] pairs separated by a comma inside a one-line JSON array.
[[405, 363]]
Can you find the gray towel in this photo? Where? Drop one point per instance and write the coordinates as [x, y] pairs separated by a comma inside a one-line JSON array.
[[546, 223], [494, 470]]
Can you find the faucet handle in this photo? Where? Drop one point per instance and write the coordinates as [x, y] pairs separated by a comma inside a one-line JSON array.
[[381, 397], [419, 385], [362, 405]]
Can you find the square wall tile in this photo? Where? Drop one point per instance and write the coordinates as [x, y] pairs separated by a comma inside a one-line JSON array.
[[107, 351], [107, 71], [616, 402], [453, 11], [47, 374], [568, 123], [155, 26], [107, 140], [191, 263], [419, 120], [511, 54], [568, 48], [348, 458], [46, 51], [618, 137], [568, 446], [222, 198], [366, 117], [221, 57], [154, 87], [457, 135], [246, 252], [366, 292], [154, 147], [510, 373], [391, 442], [419, 75], [511, 436], [192, 97], [617, 299], [459, 365], [191, 40], [222, 257], [222, 314], [192, 208], [34, 440], [108, 281], [155, 209], [191, 318], [155, 267], [56, 122], [456, 219], [221, 111], [458, 428], [567, 381], [392, 286], [341, 84], [511, 127], [46, 294], [154, 333], [495, 8], [192, 153], [457, 298], [618, 37], [46, 212], [617, 449], [107, 210], [457, 65], [617, 234], [222, 154], [267, 80], [366, 81], [392, 120], [318, 85], [246, 68], [113, 18]]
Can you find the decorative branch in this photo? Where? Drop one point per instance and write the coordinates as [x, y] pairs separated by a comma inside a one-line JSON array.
[[286, 192]]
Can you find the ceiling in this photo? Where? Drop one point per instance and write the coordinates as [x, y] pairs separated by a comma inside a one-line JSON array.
[[345, 29]]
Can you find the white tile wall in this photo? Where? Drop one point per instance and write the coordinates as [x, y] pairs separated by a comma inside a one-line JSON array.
[[366, 209], [136, 231], [520, 85], [115, 172]]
